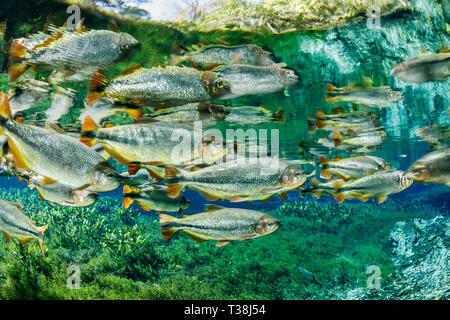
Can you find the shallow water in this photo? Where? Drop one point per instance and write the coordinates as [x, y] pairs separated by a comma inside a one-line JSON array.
[[121, 253]]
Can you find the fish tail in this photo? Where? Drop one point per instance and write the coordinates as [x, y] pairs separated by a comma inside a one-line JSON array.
[[16, 70], [320, 114], [41, 240], [311, 126], [280, 115], [5, 111], [97, 87], [331, 88], [336, 135], [320, 124], [324, 160], [166, 224], [88, 129]]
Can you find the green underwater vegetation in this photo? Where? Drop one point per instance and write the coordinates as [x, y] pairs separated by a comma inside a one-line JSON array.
[[122, 255]]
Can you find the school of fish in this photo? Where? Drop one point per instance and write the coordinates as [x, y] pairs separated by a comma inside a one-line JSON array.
[[164, 149]]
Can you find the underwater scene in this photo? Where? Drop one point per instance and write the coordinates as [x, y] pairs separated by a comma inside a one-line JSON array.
[[225, 150]]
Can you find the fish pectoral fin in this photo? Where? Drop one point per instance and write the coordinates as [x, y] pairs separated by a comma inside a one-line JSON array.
[[194, 236], [7, 236], [18, 158], [381, 199], [52, 127], [174, 190], [25, 241], [143, 206], [119, 158], [223, 243], [283, 196], [48, 181]]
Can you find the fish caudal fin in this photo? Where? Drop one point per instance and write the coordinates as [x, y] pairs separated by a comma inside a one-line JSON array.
[[331, 88], [87, 128], [15, 71], [280, 115], [5, 110], [166, 231], [96, 87]]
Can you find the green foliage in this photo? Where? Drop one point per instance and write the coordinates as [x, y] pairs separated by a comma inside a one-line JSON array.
[[122, 255]]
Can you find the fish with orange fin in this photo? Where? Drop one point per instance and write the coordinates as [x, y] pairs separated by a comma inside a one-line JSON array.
[[253, 115], [54, 155], [72, 52], [239, 180], [60, 194], [13, 222], [378, 185], [371, 138], [352, 168], [221, 224], [152, 143], [103, 108], [356, 121], [160, 86], [154, 198], [211, 56], [366, 94]]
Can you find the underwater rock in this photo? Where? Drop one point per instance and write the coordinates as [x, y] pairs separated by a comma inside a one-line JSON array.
[[421, 258]]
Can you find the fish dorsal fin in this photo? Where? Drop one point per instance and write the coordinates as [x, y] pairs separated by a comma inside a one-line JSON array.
[[213, 207], [444, 50], [18, 205], [52, 127], [131, 70], [79, 25], [54, 37], [113, 27], [367, 82]]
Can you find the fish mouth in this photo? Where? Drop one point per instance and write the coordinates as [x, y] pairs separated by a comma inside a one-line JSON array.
[[418, 173]]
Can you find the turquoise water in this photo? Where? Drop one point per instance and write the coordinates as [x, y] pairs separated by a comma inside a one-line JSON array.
[[120, 253]]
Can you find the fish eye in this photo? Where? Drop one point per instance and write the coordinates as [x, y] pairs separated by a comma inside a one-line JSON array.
[[218, 84]]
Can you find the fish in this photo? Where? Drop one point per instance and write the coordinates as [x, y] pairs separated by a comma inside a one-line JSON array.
[[140, 178], [366, 95], [253, 115], [160, 86], [13, 222], [381, 184], [354, 122], [27, 94], [238, 180], [60, 194], [214, 55], [434, 134], [152, 143], [72, 52], [367, 139], [352, 168], [54, 155], [251, 80], [221, 224], [308, 274], [103, 108], [317, 188], [207, 113], [424, 68], [434, 167], [154, 198], [63, 100]]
